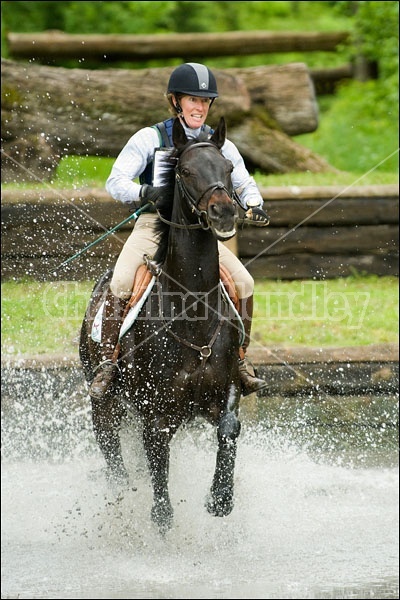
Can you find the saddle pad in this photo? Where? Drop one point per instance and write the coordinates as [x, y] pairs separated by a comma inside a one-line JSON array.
[[142, 287]]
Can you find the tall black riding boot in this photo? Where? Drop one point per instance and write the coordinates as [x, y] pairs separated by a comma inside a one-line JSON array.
[[113, 313], [250, 382]]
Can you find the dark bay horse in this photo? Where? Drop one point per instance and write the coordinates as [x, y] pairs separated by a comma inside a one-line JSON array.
[[180, 359]]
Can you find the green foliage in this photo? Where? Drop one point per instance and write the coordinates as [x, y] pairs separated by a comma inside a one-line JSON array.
[[377, 24], [169, 16], [358, 130], [375, 31], [117, 17], [34, 16]]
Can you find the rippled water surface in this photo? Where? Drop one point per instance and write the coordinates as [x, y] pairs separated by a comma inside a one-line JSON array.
[[307, 523]]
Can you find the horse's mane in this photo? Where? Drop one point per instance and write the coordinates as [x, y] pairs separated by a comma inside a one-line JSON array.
[[165, 203]]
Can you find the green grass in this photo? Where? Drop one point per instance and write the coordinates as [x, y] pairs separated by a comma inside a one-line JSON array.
[[342, 178], [42, 318], [73, 172], [83, 170], [76, 172], [352, 311]]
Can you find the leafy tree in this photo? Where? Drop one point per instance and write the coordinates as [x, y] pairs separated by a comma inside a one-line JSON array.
[[375, 32], [34, 16]]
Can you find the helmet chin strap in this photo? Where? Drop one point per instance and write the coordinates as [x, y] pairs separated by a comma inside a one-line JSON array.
[[179, 111], [182, 118]]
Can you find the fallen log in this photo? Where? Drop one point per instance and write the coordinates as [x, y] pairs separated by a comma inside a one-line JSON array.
[[50, 112], [109, 47], [285, 93]]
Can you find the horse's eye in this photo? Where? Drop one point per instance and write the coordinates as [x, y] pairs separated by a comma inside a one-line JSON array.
[[185, 172], [229, 166]]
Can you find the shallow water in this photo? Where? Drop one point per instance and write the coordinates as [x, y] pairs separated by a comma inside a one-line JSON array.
[[306, 523]]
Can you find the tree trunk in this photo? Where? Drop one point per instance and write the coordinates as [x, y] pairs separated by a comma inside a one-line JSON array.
[[50, 112]]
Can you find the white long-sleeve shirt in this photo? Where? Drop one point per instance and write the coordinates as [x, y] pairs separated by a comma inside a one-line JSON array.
[[139, 151]]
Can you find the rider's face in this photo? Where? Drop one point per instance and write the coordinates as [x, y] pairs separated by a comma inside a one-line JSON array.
[[194, 110]]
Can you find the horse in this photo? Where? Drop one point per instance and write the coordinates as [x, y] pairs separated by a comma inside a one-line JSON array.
[[179, 360]]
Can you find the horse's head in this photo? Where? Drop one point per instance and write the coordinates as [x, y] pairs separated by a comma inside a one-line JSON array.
[[204, 178]]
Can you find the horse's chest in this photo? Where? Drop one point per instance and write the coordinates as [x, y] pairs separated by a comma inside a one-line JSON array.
[[197, 374]]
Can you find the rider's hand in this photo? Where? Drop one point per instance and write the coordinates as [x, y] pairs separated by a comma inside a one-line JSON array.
[[149, 193], [256, 216]]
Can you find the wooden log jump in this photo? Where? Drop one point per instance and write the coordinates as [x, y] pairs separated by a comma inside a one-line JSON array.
[[319, 233]]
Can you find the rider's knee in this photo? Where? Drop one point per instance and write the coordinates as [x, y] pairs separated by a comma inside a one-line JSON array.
[[120, 289]]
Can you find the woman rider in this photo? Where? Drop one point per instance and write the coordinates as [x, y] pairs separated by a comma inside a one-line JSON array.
[[192, 89]]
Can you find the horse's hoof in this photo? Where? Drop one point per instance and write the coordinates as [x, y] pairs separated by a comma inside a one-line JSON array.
[[219, 506], [162, 515]]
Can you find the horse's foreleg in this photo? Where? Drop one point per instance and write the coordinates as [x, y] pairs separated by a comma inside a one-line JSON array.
[[106, 417], [220, 500], [156, 442]]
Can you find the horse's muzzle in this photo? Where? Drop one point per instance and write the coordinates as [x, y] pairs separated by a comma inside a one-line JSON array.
[[222, 215]]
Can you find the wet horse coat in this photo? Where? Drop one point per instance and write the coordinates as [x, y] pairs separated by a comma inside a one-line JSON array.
[[180, 359]]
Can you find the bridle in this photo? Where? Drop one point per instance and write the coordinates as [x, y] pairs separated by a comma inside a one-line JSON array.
[[202, 217]]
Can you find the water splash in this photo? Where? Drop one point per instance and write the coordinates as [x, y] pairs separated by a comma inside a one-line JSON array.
[[314, 517]]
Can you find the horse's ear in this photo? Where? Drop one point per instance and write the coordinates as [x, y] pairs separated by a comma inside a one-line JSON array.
[[179, 138], [219, 135]]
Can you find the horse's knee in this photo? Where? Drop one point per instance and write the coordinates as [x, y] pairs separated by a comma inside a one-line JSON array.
[[229, 428]]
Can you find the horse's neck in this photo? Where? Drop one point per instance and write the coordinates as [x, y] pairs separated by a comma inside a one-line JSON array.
[[192, 261]]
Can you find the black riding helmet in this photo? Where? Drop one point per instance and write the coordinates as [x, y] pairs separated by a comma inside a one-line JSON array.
[[193, 79]]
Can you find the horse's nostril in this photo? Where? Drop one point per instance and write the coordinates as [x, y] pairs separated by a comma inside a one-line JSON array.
[[215, 209], [218, 210]]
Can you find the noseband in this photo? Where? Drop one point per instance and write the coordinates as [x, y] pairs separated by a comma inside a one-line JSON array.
[[193, 203]]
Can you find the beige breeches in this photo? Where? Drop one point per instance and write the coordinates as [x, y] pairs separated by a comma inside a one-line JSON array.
[[143, 241]]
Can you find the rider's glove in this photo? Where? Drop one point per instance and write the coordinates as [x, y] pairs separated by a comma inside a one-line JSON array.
[[149, 193], [256, 216]]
